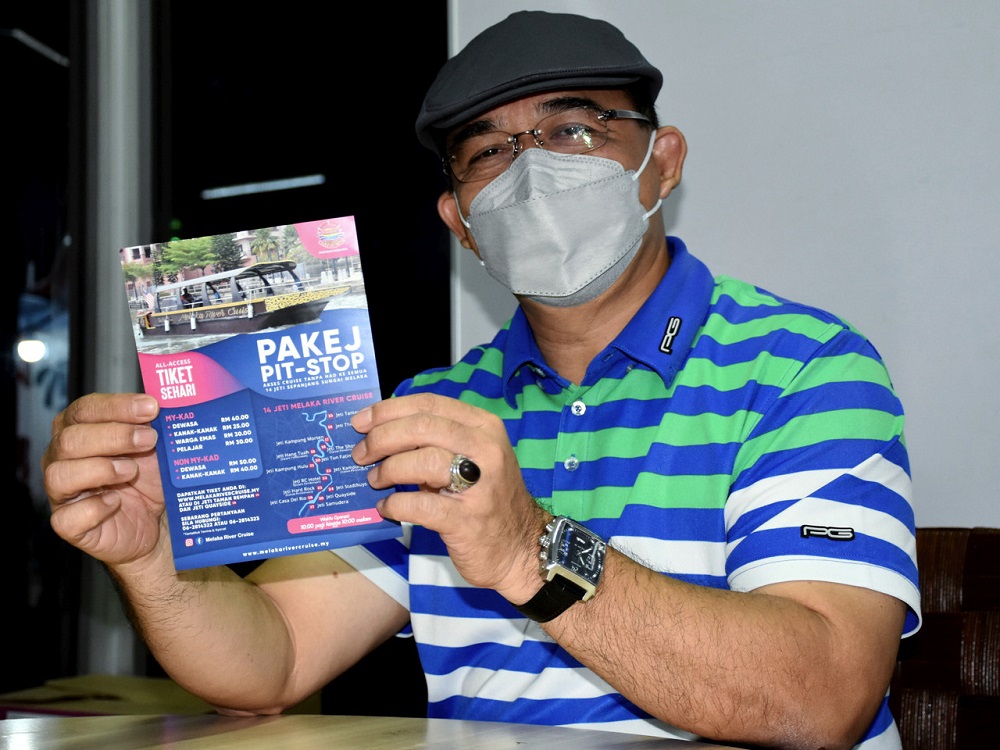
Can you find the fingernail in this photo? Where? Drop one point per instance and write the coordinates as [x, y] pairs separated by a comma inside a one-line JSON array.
[[144, 407], [358, 453], [362, 418], [123, 467], [143, 437]]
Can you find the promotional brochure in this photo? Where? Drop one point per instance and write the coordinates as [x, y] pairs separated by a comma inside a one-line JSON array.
[[257, 345]]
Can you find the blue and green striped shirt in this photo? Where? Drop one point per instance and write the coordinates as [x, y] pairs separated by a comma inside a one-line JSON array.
[[727, 437]]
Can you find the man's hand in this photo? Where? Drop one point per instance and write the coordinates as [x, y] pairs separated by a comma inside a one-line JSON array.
[[491, 529], [102, 478]]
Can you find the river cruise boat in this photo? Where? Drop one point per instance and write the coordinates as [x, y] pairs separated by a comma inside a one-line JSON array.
[[264, 295]]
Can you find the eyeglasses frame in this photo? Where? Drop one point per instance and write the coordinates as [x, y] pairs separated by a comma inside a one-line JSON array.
[[515, 138]]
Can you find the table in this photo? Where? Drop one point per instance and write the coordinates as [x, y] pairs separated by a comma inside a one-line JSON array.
[[308, 732]]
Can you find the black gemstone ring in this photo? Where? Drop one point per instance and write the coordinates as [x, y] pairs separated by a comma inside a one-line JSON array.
[[464, 473]]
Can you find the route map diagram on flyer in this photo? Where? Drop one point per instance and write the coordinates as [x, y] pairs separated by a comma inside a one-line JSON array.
[[257, 345]]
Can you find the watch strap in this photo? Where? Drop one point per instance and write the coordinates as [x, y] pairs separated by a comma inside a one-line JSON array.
[[554, 598]]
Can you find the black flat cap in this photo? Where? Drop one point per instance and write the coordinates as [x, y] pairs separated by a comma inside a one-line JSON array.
[[529, 52]]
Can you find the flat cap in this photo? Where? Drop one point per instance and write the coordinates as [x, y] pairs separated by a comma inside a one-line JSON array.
[[530, 52]]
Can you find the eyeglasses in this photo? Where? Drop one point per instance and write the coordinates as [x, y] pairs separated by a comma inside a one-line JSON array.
[[483, 156]]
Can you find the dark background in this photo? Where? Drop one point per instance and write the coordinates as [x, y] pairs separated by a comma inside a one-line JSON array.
[[245, 93], [41, 592]]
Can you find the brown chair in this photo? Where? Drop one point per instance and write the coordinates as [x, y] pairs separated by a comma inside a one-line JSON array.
[[945, 692]]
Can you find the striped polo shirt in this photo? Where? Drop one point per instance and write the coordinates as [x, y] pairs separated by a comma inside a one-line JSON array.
[[727, 437]]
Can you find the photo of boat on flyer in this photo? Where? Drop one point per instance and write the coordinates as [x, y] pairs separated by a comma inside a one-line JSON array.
[[264, 295]]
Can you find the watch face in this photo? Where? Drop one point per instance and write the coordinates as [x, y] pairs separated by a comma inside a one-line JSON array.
[[578, 551]]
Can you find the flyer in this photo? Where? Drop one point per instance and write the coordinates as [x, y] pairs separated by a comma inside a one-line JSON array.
[[257, 345]]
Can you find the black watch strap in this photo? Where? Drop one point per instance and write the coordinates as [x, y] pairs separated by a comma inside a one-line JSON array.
[[554, 598]]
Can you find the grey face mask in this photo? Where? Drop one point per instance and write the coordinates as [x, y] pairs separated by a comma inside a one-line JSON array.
[[560, 228]]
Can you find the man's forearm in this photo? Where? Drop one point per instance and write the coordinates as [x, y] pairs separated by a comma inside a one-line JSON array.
[[207, 629], [741, 667]]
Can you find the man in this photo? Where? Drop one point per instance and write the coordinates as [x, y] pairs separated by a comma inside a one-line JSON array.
[[715, 477]]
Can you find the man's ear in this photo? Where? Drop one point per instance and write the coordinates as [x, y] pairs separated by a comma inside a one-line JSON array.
[[448, 211], [669, 152]]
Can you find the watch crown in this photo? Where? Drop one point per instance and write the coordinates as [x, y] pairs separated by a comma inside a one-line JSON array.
[[544, 541]]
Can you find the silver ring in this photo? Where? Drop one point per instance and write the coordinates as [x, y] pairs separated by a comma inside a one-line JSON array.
[[464, 473]]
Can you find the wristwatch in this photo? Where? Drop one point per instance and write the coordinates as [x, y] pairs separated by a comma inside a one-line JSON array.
[[572, 561]]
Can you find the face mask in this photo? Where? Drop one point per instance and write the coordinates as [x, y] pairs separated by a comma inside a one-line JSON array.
[[560, 228]]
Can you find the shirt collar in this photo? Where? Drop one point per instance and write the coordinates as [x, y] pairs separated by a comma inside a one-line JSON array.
[[659, 336]]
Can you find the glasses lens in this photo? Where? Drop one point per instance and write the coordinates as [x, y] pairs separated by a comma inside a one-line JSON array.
[[481, 157], [574, 131]]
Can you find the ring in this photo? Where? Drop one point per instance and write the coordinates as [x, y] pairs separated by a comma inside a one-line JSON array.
[[464, 473]]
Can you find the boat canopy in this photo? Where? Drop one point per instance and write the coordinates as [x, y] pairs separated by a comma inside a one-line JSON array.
[[267, 278]]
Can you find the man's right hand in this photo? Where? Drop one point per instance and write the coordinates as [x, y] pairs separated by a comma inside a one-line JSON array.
[[102, 477]]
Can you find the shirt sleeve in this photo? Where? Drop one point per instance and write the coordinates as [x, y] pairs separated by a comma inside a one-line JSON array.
[[822, 489], [384, 563]]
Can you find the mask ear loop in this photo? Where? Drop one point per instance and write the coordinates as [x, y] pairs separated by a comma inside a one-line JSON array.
[[649, 153], [461, 218]]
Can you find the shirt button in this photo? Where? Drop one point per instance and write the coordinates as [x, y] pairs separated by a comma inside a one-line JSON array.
[[571, 463], [578, 408]]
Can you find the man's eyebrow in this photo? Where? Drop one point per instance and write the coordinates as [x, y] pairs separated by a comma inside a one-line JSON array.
[[562, 103], [471, 131], [544, 108]]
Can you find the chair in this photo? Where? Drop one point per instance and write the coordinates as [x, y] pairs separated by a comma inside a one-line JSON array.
[[945, 692]]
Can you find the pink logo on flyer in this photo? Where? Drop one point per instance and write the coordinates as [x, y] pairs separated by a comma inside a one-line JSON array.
[[185, 379], [329, 238]]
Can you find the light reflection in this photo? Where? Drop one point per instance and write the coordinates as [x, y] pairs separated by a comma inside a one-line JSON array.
[[31, 350]]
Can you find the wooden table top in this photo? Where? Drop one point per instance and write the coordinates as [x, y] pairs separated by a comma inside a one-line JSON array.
[[307, 732]]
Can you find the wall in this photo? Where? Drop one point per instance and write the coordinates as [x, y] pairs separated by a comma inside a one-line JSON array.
[[845, 155]]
